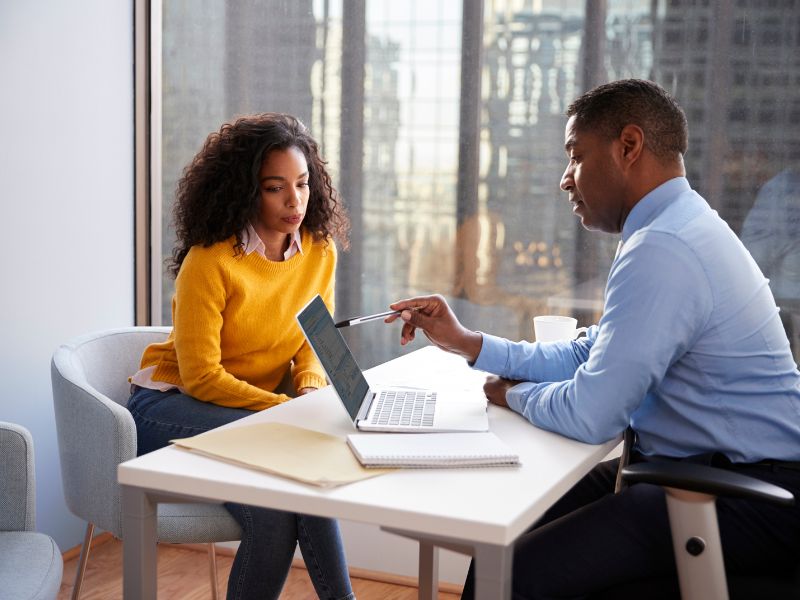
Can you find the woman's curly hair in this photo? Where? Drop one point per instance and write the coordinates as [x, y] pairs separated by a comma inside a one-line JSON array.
[[219, 192]]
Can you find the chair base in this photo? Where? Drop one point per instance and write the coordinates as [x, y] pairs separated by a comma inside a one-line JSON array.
[[212, 569], [85, 548], [84, 559]]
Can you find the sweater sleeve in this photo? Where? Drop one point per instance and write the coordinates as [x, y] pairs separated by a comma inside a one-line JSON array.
[[306, 370], [201, 295]]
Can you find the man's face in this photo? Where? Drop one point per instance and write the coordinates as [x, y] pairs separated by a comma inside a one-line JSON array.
[[593, 180]]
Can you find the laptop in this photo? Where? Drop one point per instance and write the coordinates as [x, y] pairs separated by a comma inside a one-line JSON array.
[[391, 408]]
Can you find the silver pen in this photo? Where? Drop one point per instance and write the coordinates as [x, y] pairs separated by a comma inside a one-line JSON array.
[[367, 318]]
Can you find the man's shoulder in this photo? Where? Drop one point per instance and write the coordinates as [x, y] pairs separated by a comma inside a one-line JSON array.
[[686, 208], [674, 245], [685, 222]]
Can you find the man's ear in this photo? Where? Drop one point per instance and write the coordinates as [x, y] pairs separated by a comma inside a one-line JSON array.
[[631, 140]]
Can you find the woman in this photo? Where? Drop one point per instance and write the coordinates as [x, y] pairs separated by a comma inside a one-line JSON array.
[[255, 218]]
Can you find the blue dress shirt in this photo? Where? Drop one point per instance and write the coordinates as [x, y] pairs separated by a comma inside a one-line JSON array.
[[689, 351]]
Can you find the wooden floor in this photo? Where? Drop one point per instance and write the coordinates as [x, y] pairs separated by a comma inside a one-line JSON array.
[[183, 574]]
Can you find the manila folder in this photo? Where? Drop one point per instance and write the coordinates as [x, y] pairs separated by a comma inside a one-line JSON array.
[[301, 454]]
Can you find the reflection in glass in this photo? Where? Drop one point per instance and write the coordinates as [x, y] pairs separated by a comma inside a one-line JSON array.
[[771, 231]]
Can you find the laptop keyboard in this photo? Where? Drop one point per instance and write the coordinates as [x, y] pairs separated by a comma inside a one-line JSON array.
[[405, 407]]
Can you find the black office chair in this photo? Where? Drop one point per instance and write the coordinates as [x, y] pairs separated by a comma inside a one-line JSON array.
[[691, 493]]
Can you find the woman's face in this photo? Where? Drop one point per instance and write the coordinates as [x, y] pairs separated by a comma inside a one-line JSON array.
[[284, 194]]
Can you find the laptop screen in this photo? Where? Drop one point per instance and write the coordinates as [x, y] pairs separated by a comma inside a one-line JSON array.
[[332, 351]]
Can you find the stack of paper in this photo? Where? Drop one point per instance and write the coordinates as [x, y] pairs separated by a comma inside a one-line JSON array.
[[482, 449], [300, 454]]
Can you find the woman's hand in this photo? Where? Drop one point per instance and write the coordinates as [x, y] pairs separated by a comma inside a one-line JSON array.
[[305, 390]]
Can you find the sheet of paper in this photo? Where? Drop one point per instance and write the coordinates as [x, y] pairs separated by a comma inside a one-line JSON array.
[[301, 454], [464, 449]]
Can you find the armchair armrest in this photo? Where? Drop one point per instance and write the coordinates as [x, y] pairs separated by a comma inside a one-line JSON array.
[[707, 480], [17, 487]]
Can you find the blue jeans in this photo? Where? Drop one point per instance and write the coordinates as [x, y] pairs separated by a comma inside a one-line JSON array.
[[269, 537]]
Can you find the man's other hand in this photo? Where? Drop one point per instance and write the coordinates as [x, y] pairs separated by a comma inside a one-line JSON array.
[[495, 389]]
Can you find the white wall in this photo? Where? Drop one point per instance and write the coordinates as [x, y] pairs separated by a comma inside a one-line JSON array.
[[367, 547], [66, 194]]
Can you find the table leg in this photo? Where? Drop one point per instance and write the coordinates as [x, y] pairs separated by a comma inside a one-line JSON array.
[[493, 571], [492, 564], [138, 544], [428, 570]]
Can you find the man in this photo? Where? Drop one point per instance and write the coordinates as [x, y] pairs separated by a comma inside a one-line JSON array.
[[689, 352]]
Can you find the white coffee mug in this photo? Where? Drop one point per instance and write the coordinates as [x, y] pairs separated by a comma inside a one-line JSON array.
[[549, 328]]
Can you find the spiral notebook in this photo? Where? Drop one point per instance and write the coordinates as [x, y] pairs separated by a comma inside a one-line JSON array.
[[481, 449]]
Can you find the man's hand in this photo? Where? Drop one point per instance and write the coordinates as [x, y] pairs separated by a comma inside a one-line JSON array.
[[434, 316], [495, 389], [305, 390]]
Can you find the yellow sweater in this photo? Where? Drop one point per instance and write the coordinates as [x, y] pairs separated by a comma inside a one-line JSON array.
[[234, 328]]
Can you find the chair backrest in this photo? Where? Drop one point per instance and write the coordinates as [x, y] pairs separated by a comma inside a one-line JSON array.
[[17, 487], [108, 358], [95, 430]]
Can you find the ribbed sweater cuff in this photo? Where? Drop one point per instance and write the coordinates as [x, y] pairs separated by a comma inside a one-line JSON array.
[[309, 379]]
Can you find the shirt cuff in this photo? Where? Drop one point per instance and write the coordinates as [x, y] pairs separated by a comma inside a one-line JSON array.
[[517, 396], [493, 356]]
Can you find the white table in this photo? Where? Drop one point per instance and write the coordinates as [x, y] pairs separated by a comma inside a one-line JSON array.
[[477, 511]]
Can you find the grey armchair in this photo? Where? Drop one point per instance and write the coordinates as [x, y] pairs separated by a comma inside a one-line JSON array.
[[96, 433], [31, 564]]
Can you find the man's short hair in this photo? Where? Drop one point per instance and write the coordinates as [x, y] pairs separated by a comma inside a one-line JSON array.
[[608, 108]]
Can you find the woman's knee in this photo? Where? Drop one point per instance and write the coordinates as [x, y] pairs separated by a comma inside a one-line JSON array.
[[265, 521]]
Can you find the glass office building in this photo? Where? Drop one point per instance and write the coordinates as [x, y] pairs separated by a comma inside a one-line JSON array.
[[443, 126]]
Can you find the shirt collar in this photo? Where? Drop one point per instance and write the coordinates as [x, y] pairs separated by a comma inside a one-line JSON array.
[[653, 204], [253, 243], [295, 246]]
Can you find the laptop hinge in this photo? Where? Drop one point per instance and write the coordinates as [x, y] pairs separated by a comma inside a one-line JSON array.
[[366, 404]]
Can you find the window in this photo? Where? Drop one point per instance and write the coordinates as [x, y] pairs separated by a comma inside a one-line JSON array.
[[498, 239]]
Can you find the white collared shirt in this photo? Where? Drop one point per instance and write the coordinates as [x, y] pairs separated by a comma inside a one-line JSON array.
[[253, 243]]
